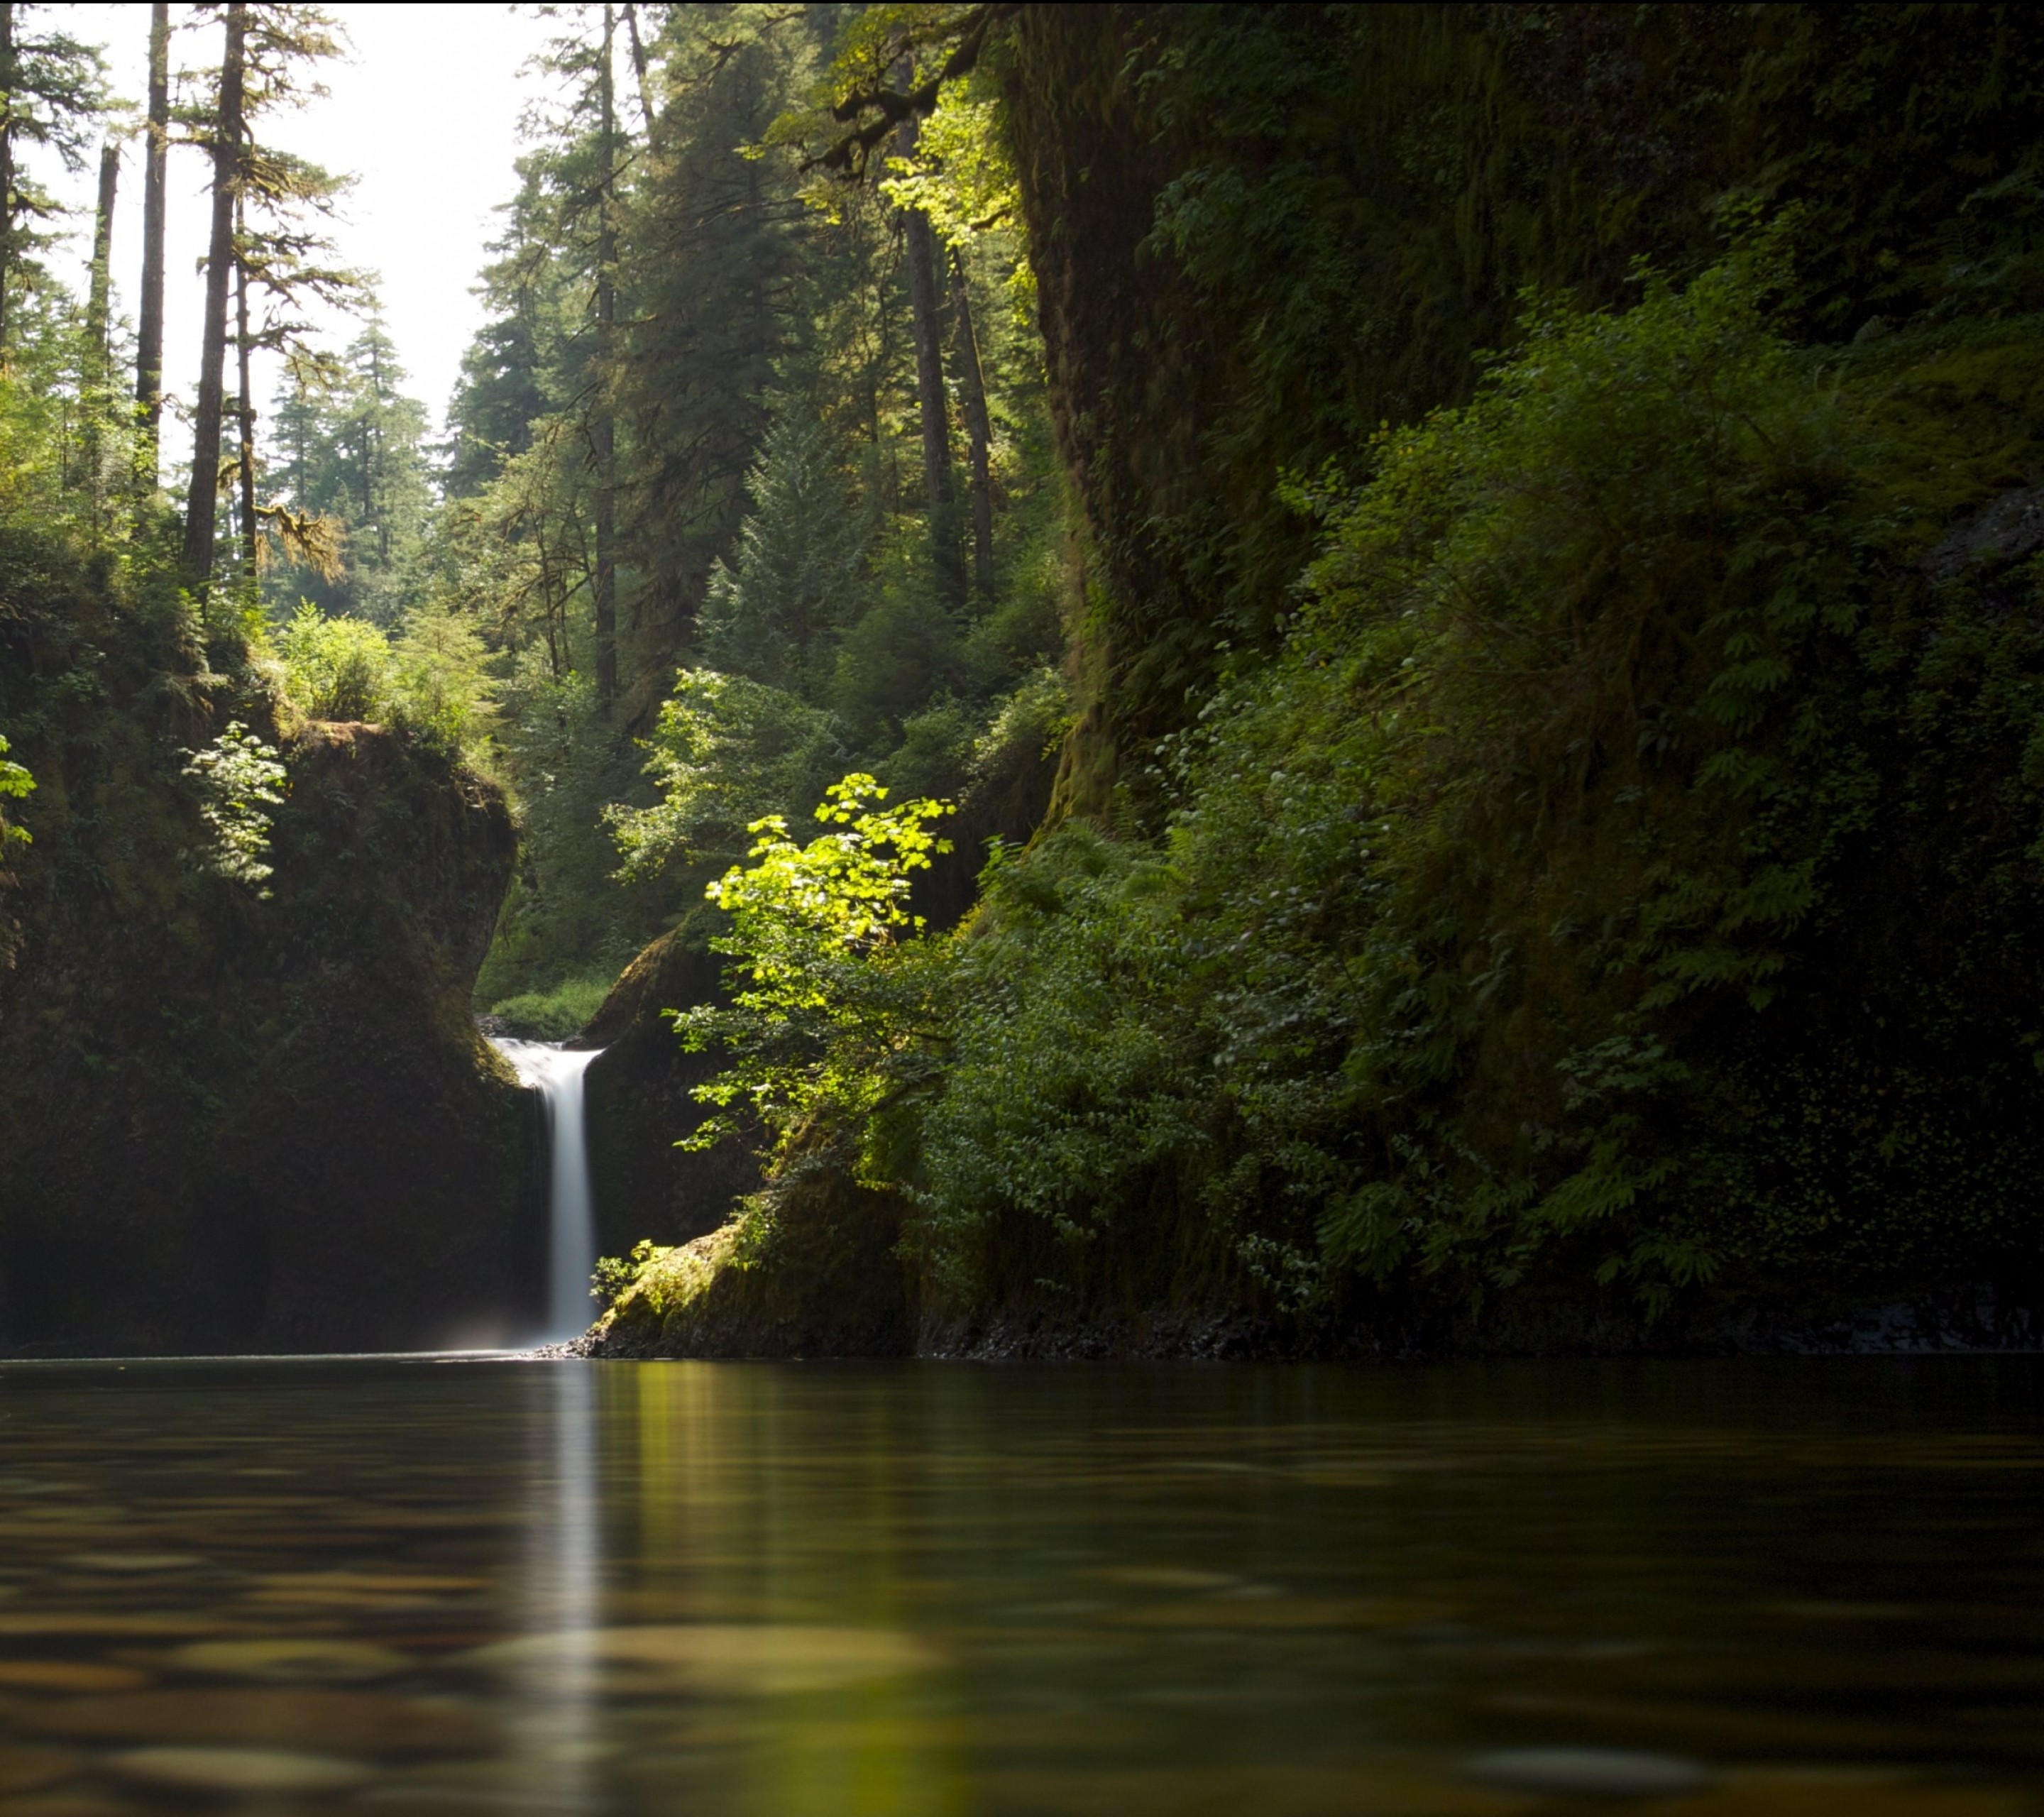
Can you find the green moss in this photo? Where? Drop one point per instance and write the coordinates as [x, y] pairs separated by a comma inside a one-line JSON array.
[[807, 1266]]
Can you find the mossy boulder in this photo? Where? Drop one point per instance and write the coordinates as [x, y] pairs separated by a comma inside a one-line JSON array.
[[235, 1119], [809, 1267]]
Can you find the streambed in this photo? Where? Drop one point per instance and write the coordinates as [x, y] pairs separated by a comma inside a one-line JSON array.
[[441, 1586]]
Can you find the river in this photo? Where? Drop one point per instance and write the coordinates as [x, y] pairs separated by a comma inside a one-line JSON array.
[[428, 1587]]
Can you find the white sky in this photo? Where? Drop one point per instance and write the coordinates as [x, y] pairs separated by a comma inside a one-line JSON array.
[[424, 114]]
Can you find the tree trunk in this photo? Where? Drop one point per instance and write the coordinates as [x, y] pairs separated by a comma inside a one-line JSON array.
[[97, 297], [7, 79], [921, 246], [372, 456], [603, 427], [979, 427], [204, 499], [638, 68], [245, 413], [149, 327], [99, 370]]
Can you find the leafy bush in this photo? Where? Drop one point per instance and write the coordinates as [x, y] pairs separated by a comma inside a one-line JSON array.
[[337, 668], [238, 779], [16, 781], [554, 1015], [834, 991], [727, 751], [1542, 908]]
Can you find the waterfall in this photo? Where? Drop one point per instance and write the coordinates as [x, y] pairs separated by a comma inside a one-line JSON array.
[[556, 1073]]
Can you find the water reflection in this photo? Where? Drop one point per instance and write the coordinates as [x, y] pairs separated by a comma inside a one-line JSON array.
[[555, 1670], [1728, 1591]]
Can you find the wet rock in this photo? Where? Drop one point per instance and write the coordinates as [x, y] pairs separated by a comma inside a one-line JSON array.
[[238, 1772], [260, 1123], [1588, 1773], [2006, 530], [820, 1275], [640, 1095]]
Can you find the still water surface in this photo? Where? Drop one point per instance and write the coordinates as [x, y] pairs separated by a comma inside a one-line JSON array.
[[492, 1587]]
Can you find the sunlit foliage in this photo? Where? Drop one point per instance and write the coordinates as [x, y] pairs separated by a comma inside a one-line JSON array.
[[834, 987]]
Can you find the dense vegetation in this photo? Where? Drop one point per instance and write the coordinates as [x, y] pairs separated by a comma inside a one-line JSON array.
[[1463, 580], [1560, 821]]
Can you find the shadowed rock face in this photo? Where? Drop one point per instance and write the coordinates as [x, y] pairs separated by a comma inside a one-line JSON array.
[[638, 1102], [234, 1123]]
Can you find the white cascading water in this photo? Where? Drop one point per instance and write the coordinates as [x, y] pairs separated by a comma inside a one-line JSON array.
[[556, 1073]]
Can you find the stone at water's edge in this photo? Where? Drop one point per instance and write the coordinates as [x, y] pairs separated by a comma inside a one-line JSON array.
[[820, 1276], [238, 1124]]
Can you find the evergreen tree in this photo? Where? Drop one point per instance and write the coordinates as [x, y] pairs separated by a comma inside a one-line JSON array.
[[351, 446], [383, 487], [261, 197], [496, 401], [797, 572], [52, 91], [156, 144], [712, 265]]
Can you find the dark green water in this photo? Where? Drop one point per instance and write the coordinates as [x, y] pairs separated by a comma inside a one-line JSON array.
[[413, 1587]]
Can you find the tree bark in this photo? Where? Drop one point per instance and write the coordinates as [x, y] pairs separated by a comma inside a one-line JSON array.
[[603, 426], [245, 413], [203, 501], [921, 247], [979, 427], [149, 325], [638, 67], [8, 76], [99, 372], [97, 297]]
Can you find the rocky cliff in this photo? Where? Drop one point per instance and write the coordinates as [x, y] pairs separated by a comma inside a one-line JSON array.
[[234, 1120]]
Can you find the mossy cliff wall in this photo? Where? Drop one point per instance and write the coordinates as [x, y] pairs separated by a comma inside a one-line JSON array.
[[228, 1121], [1259, 232], [1258, 235]]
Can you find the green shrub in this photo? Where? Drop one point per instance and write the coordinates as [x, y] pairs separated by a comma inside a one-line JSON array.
[[238, 780], [1626, 817], [557, 1014], [337, 668], [16, 780]]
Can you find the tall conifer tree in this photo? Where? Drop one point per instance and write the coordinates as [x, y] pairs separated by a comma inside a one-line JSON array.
[[202, 502], [149, 322]]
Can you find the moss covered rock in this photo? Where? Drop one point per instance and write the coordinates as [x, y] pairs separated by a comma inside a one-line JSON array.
[[236, 1119], [808, 1267]]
